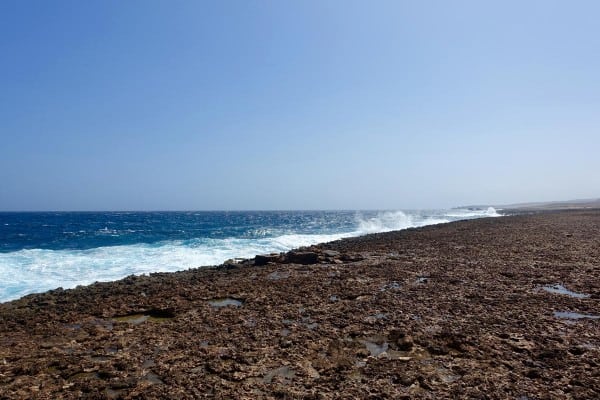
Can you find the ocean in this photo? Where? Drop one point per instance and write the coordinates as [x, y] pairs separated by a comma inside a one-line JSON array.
[[46, 250]]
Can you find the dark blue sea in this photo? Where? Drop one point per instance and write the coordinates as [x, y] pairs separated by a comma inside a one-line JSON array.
[[46, 250]]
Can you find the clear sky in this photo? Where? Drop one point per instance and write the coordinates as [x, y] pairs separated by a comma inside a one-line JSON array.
[[145, 105]]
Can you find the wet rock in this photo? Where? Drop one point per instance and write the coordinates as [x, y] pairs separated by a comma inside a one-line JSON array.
[[400, 340], [391, 286], [226, 302], [278, 275], [232, 263], [533, 374]]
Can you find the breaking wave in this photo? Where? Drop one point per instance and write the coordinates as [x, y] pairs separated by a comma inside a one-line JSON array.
[[35, 270]]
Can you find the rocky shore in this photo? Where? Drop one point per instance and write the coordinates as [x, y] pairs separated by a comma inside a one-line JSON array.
[[491, 308]]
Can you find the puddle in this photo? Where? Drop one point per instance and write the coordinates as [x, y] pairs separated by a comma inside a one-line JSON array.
[[333, 298], [371, 319], [284, 372], [93, 323], [278, 275], [228, 301], [574, 315], [83, 376], [137, 319], [379, 347], [422, 279], [383, 350], [133, 319], [154, 315], [446, 376], [102, 324], [390, 286], [153, 379], [376, 349], [560, 289]]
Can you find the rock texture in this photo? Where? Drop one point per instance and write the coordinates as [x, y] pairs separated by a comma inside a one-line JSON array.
[[459, 310]]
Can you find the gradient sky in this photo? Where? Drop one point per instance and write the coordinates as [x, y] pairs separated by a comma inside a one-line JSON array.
[[170, 105]]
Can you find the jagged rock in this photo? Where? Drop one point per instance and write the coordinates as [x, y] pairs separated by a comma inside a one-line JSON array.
[[231, 264], [401, 340], [351, 257], [301, 330], [304, 257], [264, 259], [331, 253]]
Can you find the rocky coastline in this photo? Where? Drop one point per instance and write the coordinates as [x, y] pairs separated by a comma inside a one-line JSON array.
[[490, 308]]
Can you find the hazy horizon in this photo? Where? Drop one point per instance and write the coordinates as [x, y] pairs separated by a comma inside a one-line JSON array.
[[549, 202], [338, 105]]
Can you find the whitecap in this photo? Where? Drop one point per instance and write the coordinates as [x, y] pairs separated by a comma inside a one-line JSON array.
[[37, 270], [469, 213]]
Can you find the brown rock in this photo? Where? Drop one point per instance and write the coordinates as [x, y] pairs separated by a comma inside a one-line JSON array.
[[264, 259], [302, 257], [479, 328], [331, 253]]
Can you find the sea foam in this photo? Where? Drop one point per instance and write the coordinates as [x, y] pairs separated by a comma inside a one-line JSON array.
[[35, 270]]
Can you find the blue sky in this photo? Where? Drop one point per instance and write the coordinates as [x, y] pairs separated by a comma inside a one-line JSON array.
[[146, 105]]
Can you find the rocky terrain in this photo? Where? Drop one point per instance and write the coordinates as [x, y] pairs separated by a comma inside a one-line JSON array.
[[491, 309]]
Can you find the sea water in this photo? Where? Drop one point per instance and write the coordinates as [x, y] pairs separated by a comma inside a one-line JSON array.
[[46, 250]]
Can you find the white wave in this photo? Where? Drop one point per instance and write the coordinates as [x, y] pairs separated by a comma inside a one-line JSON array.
[[491, 212], [28, 271], [466, 213], [385, 222], [395, 220]]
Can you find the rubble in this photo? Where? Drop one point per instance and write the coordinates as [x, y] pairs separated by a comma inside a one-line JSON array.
[[456, 310]]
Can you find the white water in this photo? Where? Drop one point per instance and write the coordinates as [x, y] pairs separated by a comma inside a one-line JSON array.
[[28, 271], [490, 212]]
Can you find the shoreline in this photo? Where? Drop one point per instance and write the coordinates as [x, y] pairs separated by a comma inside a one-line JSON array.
[[136, 257], [446, 310]]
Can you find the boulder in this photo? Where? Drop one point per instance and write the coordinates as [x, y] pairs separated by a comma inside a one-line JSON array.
[[331, 253], [264, 259], [302, 257], [351, 257]]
